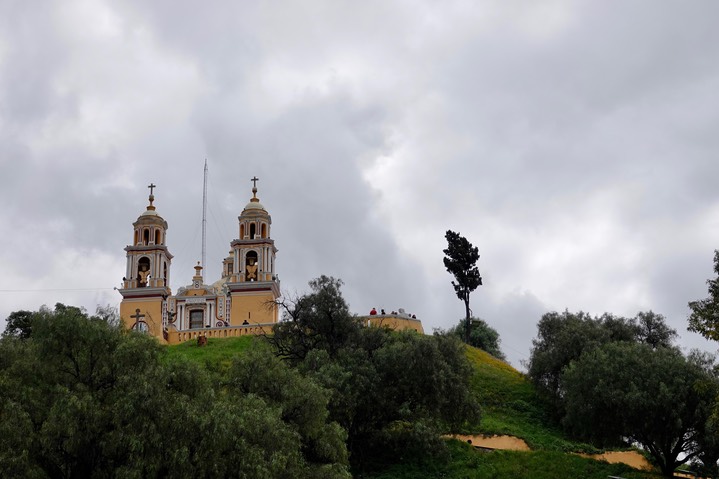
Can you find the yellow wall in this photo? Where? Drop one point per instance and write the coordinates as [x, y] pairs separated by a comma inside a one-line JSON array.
[[150, 307], [396, 323], [260, 306]]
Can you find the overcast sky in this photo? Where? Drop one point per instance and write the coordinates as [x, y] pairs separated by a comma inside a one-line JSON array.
[[574, 142]]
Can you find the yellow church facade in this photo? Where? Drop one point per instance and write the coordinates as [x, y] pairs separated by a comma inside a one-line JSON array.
[[242, 302]]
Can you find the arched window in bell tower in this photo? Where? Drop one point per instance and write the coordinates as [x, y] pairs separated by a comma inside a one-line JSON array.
[[251, 266], [264, 230], [137, 237], [143, 271], [146, 236], [157, 237], [253, 228], [242, 231]]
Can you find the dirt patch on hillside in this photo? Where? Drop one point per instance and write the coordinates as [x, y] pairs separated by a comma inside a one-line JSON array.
[[508, 443], [511, 443], [630, 458]]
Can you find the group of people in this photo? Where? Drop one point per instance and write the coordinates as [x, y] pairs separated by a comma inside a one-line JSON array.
[[401, 313]]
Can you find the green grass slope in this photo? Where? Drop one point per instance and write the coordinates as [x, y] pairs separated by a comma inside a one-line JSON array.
[[510, 405], [468, 463], [218, 352]]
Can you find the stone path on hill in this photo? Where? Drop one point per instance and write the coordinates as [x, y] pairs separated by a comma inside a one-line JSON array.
[[512, 443], [506, 443], [630, 458]]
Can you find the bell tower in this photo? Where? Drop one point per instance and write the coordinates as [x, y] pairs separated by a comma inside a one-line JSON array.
[[252, 281], [145, 287]]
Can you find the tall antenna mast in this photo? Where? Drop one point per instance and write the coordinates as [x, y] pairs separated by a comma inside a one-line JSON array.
[[204, 218]]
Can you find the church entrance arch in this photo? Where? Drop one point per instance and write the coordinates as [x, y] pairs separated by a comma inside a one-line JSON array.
[[197, 318]]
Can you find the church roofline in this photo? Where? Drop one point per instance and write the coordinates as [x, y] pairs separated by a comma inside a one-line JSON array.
[[253, 286], [149, 249], [146, 292], [238, 241]]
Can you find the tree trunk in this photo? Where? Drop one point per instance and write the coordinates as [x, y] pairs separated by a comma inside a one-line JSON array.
[[667, 467], [467, 325]]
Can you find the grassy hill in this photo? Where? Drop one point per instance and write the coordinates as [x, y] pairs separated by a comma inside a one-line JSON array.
[[217, 351], [510, 405]]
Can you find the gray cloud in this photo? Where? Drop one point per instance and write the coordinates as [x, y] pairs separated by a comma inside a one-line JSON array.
[[573, 142]]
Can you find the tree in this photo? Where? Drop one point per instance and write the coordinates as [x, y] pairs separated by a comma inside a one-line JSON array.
[[561, 339], [83, 398], [652, 329], [18, 324], [481, 336], [650, 396], [318, 320], [706, 463], [394, 393], [396, 400], [704, 318], [302, 404], [565, 337], [461, 261]]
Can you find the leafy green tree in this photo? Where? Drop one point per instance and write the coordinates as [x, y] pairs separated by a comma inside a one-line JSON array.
[[83, 398], [481, 335], [704, 318], [318, 320], [18, 324], [707, 461], [565, 337], [302, 404], [461, 261], [618, 328], [650, 396], [561, 339], [396, 400], [65, 383], [652, 329], [393, 393]]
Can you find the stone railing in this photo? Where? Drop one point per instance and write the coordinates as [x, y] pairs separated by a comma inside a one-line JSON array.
[[174, 337]]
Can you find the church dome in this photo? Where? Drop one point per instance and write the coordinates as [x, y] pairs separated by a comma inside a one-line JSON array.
[[254, 205], [151, 217]]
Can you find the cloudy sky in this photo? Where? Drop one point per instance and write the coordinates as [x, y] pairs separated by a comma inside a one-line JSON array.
[[574, 142]]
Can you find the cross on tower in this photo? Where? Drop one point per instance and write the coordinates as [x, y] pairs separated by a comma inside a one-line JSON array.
[[152, 186], [254, 181], [137, 316]]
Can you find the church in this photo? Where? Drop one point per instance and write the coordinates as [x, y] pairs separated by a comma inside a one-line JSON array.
[[241, 302]]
